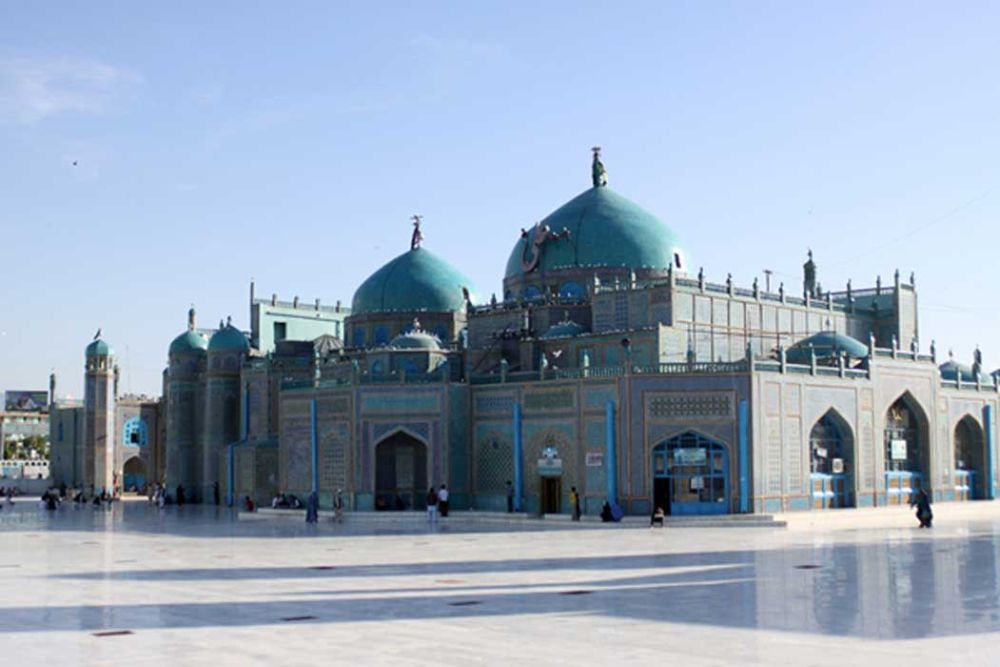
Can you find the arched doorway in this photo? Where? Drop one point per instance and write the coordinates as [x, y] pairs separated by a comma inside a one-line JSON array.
[[134, 475], [831, 462], [691, 475], [905, 451], [400, 473], [970, 456]]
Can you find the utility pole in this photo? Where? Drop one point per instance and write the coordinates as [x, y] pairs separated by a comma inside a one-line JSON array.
[[767, 280]]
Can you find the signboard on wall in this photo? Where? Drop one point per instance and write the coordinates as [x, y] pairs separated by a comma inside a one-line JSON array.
[[595, 459], [26, 401], [897, 449], [690, 456]]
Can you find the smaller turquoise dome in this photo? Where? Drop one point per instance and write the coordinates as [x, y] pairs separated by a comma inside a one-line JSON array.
[[189, 342], [416, 340], [99, 348], [951, 369], [417, 280], [826, 345], [565, 329], [228, 337]]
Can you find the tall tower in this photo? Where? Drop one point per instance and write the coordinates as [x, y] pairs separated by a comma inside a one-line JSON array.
[[99, 417], [226, 351], [185, 397]]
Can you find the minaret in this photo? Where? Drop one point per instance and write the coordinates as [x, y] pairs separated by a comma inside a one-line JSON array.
[[185, 398], [52, 390], [99, 417]]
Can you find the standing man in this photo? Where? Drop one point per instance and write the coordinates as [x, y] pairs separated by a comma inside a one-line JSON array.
[[574, 499], [338, 506], [510, 497], [443, 501], [312, 508], [432, 501]]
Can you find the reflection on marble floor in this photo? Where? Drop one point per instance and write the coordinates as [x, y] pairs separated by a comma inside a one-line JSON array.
[[196, 580]]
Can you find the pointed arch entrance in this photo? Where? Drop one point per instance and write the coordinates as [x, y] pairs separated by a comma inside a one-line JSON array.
[[400, 473], [970, 460], [831, 463], [134, 475], [691, 475], [906, 441]]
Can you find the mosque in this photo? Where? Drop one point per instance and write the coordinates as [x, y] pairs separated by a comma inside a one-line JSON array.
[[607, 365]]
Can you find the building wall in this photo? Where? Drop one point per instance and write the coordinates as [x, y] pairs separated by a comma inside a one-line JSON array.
[[66, 445], [302, 321]]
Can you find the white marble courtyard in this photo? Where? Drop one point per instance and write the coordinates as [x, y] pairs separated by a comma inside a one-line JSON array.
[[138, 586]]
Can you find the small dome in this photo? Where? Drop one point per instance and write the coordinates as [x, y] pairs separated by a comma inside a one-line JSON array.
[[417, 280], [951, 369], [189, 342], [228, 337], [99, 348], [565, 329], [826, 345], [605, 230], [416, 340]]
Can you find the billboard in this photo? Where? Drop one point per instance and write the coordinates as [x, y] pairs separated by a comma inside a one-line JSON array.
[[26, 401]]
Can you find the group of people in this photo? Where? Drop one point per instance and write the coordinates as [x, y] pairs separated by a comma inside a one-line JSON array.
[[437, 503], [285, 501], [312, 507]]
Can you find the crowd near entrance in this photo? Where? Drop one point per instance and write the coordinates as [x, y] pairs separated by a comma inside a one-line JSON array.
[[691, 475], [401, 473]]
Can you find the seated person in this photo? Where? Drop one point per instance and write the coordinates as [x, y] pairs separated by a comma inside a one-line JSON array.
[[606, 512], [294, 502], [657, 517]]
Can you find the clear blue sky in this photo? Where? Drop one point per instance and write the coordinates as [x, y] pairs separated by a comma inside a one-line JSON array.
[[291, 141]]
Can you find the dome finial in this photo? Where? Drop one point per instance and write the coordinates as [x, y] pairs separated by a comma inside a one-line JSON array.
[[418, 236], [191, 318], [598, 173]]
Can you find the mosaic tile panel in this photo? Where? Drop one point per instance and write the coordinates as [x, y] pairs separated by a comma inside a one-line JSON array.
[[677, 406], [494, 461], [495, 404], [550, 400]]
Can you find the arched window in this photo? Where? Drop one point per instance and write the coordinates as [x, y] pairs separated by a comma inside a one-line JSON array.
[[572, 290], [691, 475], [381, 335], [135, 433], [902, 445], [358, 337], [532, 292], [377, 367], [826, 446]]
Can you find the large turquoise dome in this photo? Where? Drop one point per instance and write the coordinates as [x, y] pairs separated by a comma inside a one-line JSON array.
[[605, 230], [417, 280], [189, 342]]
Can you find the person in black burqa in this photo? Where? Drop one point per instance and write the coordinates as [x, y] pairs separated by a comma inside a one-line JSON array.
[[312, 508], [510, 497], [923, 504], [180, 495], [606, 515], [215, 492]]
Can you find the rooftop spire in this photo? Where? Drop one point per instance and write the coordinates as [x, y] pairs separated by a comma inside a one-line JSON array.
[[191, 318], [418, 236], [598, 174]]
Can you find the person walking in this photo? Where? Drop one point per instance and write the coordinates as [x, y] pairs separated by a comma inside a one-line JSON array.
[[574, 499], [312, 508], [338, 506], [443, 501], [432, 501], [923, 505], [510, 497]]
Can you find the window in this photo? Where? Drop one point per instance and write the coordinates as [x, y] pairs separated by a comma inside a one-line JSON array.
[[135, 432], [280, 331]]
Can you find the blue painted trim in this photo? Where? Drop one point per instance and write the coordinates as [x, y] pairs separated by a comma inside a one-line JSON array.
[[231, 475], [990, 454], [314, 445], [245, 422], [744, 445], [518, 460], [612, 454]]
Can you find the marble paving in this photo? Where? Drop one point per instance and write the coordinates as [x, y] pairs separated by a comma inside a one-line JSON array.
[[137, 585]]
